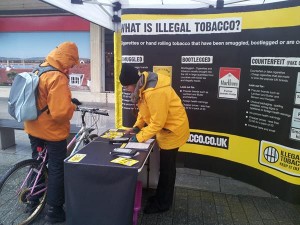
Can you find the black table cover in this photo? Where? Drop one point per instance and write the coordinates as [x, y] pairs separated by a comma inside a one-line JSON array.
[[97, 191]]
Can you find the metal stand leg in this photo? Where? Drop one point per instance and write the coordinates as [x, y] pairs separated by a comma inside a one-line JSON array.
[[148, 172], [7, 138]]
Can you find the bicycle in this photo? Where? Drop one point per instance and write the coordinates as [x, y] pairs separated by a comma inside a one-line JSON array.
[[28, 179]]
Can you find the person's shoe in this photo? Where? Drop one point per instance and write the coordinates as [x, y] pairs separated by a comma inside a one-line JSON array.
[[55, 215], [154, 208], [31, 206]]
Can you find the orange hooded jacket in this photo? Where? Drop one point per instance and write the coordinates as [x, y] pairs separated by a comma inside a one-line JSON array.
[[54, 91]]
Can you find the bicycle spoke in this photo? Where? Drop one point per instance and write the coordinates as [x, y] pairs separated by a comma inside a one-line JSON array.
[[11, 215], [10, 199], [15, 193], [9, 195]]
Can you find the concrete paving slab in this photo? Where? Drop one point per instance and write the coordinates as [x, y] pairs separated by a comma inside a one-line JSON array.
[[198, 182], [188, 171], [211, 174], [231, 186]]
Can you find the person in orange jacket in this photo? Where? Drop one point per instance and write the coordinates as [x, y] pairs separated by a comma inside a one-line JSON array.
[[161, 114], [52, 127]]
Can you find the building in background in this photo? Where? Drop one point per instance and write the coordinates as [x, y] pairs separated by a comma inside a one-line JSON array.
[[29, 30]]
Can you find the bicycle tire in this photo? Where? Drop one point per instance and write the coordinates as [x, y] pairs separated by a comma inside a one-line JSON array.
[[13, 201]]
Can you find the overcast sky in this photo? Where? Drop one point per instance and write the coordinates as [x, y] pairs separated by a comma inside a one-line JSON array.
[[39, 44]]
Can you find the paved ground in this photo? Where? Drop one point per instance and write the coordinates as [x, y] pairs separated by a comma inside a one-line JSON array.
[[201, 197]]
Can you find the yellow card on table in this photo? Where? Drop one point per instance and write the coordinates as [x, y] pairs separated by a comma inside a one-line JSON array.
[[124, 161], [77, 158], [112, 133], [123, 145]]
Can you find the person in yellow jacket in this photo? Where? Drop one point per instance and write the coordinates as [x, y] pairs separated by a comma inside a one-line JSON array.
[[161, 114], [52, 127]]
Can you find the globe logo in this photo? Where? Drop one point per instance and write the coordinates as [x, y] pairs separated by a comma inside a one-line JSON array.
[[271, 154]]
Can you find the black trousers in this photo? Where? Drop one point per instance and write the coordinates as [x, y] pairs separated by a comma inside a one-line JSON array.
[[57, 151], [167, 176]]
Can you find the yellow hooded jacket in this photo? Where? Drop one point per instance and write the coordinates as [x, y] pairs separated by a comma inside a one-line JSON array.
[[161, 109], [53, 90]]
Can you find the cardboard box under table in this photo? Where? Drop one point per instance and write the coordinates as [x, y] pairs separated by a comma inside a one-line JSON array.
[[99, 192]]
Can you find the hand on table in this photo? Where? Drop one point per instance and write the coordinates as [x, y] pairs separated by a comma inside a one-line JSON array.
[[133, 139], [129, 131]]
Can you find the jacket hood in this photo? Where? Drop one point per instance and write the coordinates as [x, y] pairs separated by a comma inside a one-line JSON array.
[[149, 81], [155, 80], [64, 56]]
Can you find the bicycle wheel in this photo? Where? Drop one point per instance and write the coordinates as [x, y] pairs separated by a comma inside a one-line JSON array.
[[15, 197]]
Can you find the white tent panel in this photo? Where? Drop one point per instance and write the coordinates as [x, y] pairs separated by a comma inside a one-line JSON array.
[[189, 3], [102, 15], [92, 12]]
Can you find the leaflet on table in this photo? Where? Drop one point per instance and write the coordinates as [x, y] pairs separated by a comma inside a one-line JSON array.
[[139, 145], [113, 133], [77, 158], [124, 161]]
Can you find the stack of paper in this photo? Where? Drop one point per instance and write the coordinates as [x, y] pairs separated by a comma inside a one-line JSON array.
[[139, 145]]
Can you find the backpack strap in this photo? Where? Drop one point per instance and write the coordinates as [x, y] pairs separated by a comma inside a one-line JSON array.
[[43, 69], [42, 110], [40, 70]]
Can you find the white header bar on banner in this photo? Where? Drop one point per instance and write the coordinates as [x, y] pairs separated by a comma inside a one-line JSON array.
[[185, 26], [275, 61]]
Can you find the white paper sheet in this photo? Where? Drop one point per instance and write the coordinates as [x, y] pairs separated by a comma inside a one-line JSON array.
[[138, 145]]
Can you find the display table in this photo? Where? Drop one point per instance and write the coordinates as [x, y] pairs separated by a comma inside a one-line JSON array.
[[99, 192]]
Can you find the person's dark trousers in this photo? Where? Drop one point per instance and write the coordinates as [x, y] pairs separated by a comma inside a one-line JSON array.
[[57, 151], [35, 143], [167, 176]]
